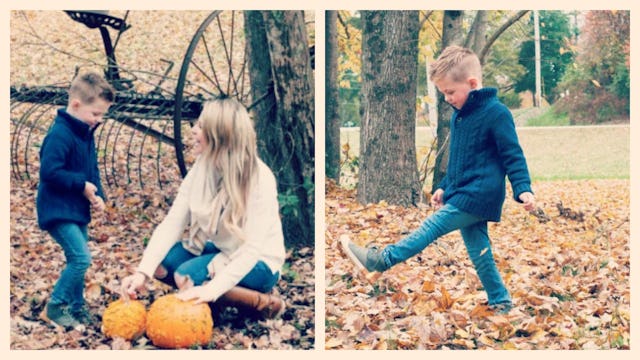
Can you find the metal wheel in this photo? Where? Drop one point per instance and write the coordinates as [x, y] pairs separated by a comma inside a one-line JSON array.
[[214, 65]]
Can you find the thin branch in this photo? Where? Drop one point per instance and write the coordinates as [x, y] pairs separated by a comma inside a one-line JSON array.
[[427, 15], [499, 32], [344, 25]]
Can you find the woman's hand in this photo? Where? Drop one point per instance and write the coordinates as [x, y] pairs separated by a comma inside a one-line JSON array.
[[132, 283], [201, 294]]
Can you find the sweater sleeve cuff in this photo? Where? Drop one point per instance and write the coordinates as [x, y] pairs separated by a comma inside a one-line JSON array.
[[519, 189]]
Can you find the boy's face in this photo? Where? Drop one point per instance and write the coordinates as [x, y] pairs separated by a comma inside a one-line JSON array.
[[456, 92], [91, 114]]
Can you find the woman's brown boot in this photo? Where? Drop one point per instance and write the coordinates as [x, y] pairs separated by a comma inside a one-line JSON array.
[[267, 306]]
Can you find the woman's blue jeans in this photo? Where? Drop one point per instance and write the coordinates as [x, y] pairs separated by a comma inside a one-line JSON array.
[[182, 262], [69, 288], [476, 239]]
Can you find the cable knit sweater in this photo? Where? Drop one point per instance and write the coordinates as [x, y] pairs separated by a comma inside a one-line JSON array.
[[484, 148], [67, 159]]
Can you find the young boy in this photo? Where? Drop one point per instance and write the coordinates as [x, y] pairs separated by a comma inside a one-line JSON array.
[[69, 186], [483, 149]]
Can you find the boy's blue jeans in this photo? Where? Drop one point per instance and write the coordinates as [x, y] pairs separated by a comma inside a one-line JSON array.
[[476, 239], [70, 286], [184, 263]]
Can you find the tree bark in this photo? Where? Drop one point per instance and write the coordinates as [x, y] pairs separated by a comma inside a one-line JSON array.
[[451, 35], [332, 117], [281, 76], [477, 37], [388, 166]]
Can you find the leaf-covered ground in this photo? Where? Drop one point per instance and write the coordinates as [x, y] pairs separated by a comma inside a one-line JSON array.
[[117, 240], [567, 268]]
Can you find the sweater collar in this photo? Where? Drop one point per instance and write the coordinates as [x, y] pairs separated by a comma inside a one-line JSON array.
[[478, 98], [78, 126]]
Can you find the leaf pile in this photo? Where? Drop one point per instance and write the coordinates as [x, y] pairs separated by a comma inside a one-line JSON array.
[[566, 265]]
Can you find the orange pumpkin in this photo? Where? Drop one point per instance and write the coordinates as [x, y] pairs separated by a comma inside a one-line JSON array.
[[176, 324], [125, 319]]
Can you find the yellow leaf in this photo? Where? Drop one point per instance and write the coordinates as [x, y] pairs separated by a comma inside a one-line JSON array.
[[464, 343], [595, 82], [462, 334], [428, 286], [332, 343]]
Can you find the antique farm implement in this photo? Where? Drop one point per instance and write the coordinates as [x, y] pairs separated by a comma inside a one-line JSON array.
[[145, 135]]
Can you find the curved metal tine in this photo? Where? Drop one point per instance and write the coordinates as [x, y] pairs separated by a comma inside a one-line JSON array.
[[134, 131], [145, 134], [115, 143], [104, 158], [18, 124], [105, 154], [158, 154], [15, 141], [141, 150], [46, 108]]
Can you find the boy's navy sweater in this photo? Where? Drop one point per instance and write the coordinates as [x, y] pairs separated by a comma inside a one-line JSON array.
[[484, 148], [67, 159]]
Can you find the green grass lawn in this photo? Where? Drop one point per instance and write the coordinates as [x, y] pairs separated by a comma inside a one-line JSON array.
[[556, 153]]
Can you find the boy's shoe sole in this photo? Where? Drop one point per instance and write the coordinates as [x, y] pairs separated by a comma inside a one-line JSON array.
[[344, 246]]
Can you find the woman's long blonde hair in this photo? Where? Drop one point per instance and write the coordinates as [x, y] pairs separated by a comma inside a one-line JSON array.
[[232, 151]]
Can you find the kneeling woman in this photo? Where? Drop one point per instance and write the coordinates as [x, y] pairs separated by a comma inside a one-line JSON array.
[[235, 248]]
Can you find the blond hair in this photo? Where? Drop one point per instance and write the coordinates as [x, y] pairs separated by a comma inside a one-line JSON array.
[[232, 150], [456, 62], [90, 86]]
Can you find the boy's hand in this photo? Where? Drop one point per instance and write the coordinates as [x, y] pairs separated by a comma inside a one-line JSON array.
[[436, 199], [89, 191], [528, 200], [98, 203]]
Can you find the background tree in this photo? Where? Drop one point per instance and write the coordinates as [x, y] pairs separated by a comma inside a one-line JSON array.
[[281, 74], [349, 39], [476, 38], [388, 165], [598, 86], [451, 35], [500, 66], [555, 54], [332, 113]]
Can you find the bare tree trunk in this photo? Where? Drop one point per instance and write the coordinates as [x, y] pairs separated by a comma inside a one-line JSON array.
[[451, 35], [477, 37], [281, 74], [332, 117], [388, 166]]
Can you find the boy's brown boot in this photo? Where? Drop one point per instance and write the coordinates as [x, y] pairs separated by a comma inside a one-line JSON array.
[[267, 306]]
